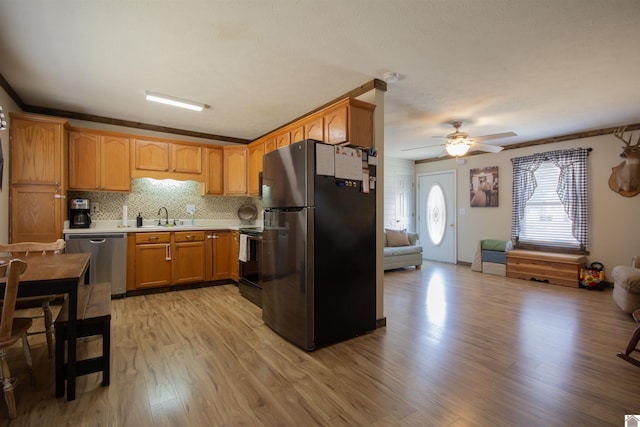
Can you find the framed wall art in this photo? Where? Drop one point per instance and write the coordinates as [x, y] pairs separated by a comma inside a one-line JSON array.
[[483, 187]]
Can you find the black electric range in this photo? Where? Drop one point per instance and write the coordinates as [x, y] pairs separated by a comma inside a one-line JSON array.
[[249, 256]]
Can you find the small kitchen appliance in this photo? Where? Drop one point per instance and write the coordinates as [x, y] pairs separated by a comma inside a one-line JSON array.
[[79, 213]]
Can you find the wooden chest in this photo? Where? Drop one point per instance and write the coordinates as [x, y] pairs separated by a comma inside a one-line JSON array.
[[557, 269]]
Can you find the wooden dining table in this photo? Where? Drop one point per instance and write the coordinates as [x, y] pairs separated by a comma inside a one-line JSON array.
[[56, 275]]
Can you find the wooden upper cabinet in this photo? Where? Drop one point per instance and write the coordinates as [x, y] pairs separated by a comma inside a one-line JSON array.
[[297, 134], [235, 170], [115, 163], [256, 153], [84, 158], [314, 128], [269, 145], [152, 155], [98, 162], [347, 121], [360, 123], [283, 139], [162, 160], [37, 150], [186, 158], [214, 171], [335, 125]]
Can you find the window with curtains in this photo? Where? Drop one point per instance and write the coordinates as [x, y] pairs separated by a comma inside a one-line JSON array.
[[550, 200]]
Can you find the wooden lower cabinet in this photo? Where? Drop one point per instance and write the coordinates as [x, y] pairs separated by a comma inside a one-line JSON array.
[[218, 255], [188, 257], [158, 259], [37, 213], [234, 250], [153, 260]]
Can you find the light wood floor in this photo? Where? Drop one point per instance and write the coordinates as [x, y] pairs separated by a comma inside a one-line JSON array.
[[459, 349]]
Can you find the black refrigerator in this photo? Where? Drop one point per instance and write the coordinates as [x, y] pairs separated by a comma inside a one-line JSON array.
[[318, 264]]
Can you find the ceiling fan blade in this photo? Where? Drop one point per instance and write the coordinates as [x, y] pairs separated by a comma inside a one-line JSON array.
[[424, 147], [494, 136], [486, 147]]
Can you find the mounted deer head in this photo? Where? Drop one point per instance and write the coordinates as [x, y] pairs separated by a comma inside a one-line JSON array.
[[625, 178]]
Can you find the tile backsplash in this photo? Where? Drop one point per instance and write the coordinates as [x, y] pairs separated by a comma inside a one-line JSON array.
[[147, 196]]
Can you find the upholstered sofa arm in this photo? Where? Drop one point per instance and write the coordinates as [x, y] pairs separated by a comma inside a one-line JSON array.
[[413, 238], [627, 277]]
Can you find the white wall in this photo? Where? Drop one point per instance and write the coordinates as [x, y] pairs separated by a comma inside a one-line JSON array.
[[613, 219], [393, 168]]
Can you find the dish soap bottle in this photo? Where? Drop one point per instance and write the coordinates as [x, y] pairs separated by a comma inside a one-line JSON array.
[[139, 220]]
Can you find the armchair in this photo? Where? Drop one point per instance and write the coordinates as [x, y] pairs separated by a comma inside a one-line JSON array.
[[626, 285]]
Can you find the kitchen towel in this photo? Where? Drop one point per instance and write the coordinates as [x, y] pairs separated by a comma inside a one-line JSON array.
[[124, 215], [244, 248]]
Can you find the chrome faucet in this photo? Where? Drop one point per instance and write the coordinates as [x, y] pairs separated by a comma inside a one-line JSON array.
[[166, 213]]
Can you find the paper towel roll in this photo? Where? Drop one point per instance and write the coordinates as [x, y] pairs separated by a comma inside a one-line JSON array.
[[124, 215]]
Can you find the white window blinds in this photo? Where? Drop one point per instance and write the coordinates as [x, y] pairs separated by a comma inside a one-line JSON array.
[[545, 220]]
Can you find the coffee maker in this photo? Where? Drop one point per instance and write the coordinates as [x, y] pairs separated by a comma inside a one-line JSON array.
[[79, 213]]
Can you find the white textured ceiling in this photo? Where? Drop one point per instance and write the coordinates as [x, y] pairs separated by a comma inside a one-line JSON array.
[[540, 68]]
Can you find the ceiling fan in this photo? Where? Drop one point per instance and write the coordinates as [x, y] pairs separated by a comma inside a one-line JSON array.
[[459, 143]]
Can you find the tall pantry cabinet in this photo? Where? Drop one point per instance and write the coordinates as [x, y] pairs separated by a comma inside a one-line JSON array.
[[38, 178]]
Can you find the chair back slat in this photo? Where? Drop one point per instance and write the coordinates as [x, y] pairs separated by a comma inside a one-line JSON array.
[[15, 268], [24, 248]]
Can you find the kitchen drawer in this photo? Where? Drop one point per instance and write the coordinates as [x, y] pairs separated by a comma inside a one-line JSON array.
[[153, 238], [189, 236]]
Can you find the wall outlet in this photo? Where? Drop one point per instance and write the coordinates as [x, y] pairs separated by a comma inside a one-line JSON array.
[[191, 209], [95, 207]]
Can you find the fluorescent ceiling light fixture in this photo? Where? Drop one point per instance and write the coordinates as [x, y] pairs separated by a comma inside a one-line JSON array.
[[172, 100]]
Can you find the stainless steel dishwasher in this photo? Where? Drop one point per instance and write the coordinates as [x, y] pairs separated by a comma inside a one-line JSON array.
[[108, 257]]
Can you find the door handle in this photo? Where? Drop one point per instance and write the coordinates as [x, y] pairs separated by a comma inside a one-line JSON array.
[[98, 241]]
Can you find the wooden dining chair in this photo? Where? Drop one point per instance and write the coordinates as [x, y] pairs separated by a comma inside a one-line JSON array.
[[45, 249], [11, 330]]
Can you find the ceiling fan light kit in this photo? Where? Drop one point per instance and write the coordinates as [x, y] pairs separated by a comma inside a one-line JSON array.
[[173, 101], [458, 147]]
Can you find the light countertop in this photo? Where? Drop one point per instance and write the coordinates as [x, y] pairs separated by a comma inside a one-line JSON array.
[[98, 227]]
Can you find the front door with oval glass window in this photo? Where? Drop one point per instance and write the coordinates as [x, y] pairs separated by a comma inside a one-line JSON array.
[[436, 216]]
